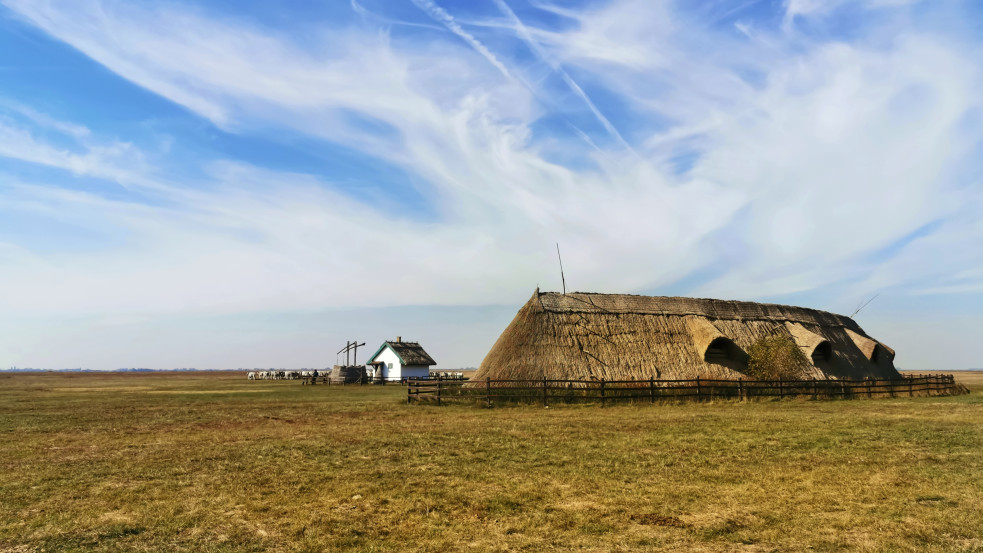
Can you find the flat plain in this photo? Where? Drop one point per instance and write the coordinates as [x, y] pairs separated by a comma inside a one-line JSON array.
[[214, 462]]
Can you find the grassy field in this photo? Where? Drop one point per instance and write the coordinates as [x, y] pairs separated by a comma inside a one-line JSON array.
[[213, 462]]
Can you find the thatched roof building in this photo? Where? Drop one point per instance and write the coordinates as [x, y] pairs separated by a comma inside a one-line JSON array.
[[410, 353], [399, 360], [619, 337]]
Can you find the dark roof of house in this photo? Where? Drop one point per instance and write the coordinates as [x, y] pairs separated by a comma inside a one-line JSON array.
[[409, 353]]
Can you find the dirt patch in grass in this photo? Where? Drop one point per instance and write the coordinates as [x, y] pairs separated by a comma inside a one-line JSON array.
[[659, 520]]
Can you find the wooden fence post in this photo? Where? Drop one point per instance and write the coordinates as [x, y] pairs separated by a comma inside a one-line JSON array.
[[544, 391], [931, 384]]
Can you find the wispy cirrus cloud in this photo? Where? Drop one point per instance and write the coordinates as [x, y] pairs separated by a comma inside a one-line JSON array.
[[821, 8], [744, 164], [440, 15], [116, 161]]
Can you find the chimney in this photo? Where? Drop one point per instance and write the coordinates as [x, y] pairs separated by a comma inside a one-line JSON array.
[[399, 339]]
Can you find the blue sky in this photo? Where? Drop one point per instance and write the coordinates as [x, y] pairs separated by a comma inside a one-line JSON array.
[[250, 184]]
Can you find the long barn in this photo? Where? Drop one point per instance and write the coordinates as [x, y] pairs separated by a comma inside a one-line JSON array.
[[582, 336]]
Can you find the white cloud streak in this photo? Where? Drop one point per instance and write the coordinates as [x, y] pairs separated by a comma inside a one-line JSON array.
[[821, 8], [527, 37], [119, 162], [811, 164], [440, 15]]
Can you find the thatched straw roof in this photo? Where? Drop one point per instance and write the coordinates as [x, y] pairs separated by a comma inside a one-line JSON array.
[[615, 336], [409, 353]]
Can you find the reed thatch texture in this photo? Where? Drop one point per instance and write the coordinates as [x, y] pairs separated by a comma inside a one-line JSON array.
[[409, 353], [582, 336], [807, 340], [412, 353], [817, 349], [874, 351]]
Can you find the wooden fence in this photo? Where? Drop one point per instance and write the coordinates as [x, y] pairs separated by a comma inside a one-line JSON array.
[[327, 381], [604, 391]]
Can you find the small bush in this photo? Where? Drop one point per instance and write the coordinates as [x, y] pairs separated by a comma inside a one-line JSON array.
[[776, 357]]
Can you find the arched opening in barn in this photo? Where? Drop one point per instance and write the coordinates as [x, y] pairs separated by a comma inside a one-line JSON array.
[[822, 353], [723, 351]]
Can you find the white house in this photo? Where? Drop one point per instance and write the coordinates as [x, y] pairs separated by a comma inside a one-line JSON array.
[[397, 360]]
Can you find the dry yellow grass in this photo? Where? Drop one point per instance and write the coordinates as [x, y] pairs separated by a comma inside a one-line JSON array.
[[970, 379], [213, 462]]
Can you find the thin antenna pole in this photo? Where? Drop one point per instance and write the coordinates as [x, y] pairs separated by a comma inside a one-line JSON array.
[[864, 305], [562, 278]]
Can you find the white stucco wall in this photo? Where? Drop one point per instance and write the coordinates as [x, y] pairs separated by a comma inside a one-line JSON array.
[[393, 369], [416, 371]]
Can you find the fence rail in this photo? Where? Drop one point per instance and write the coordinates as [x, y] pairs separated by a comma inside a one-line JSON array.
[[328, 381], [699, 389]]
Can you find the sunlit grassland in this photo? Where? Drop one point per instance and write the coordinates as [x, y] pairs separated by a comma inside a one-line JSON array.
[[213, 462]]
